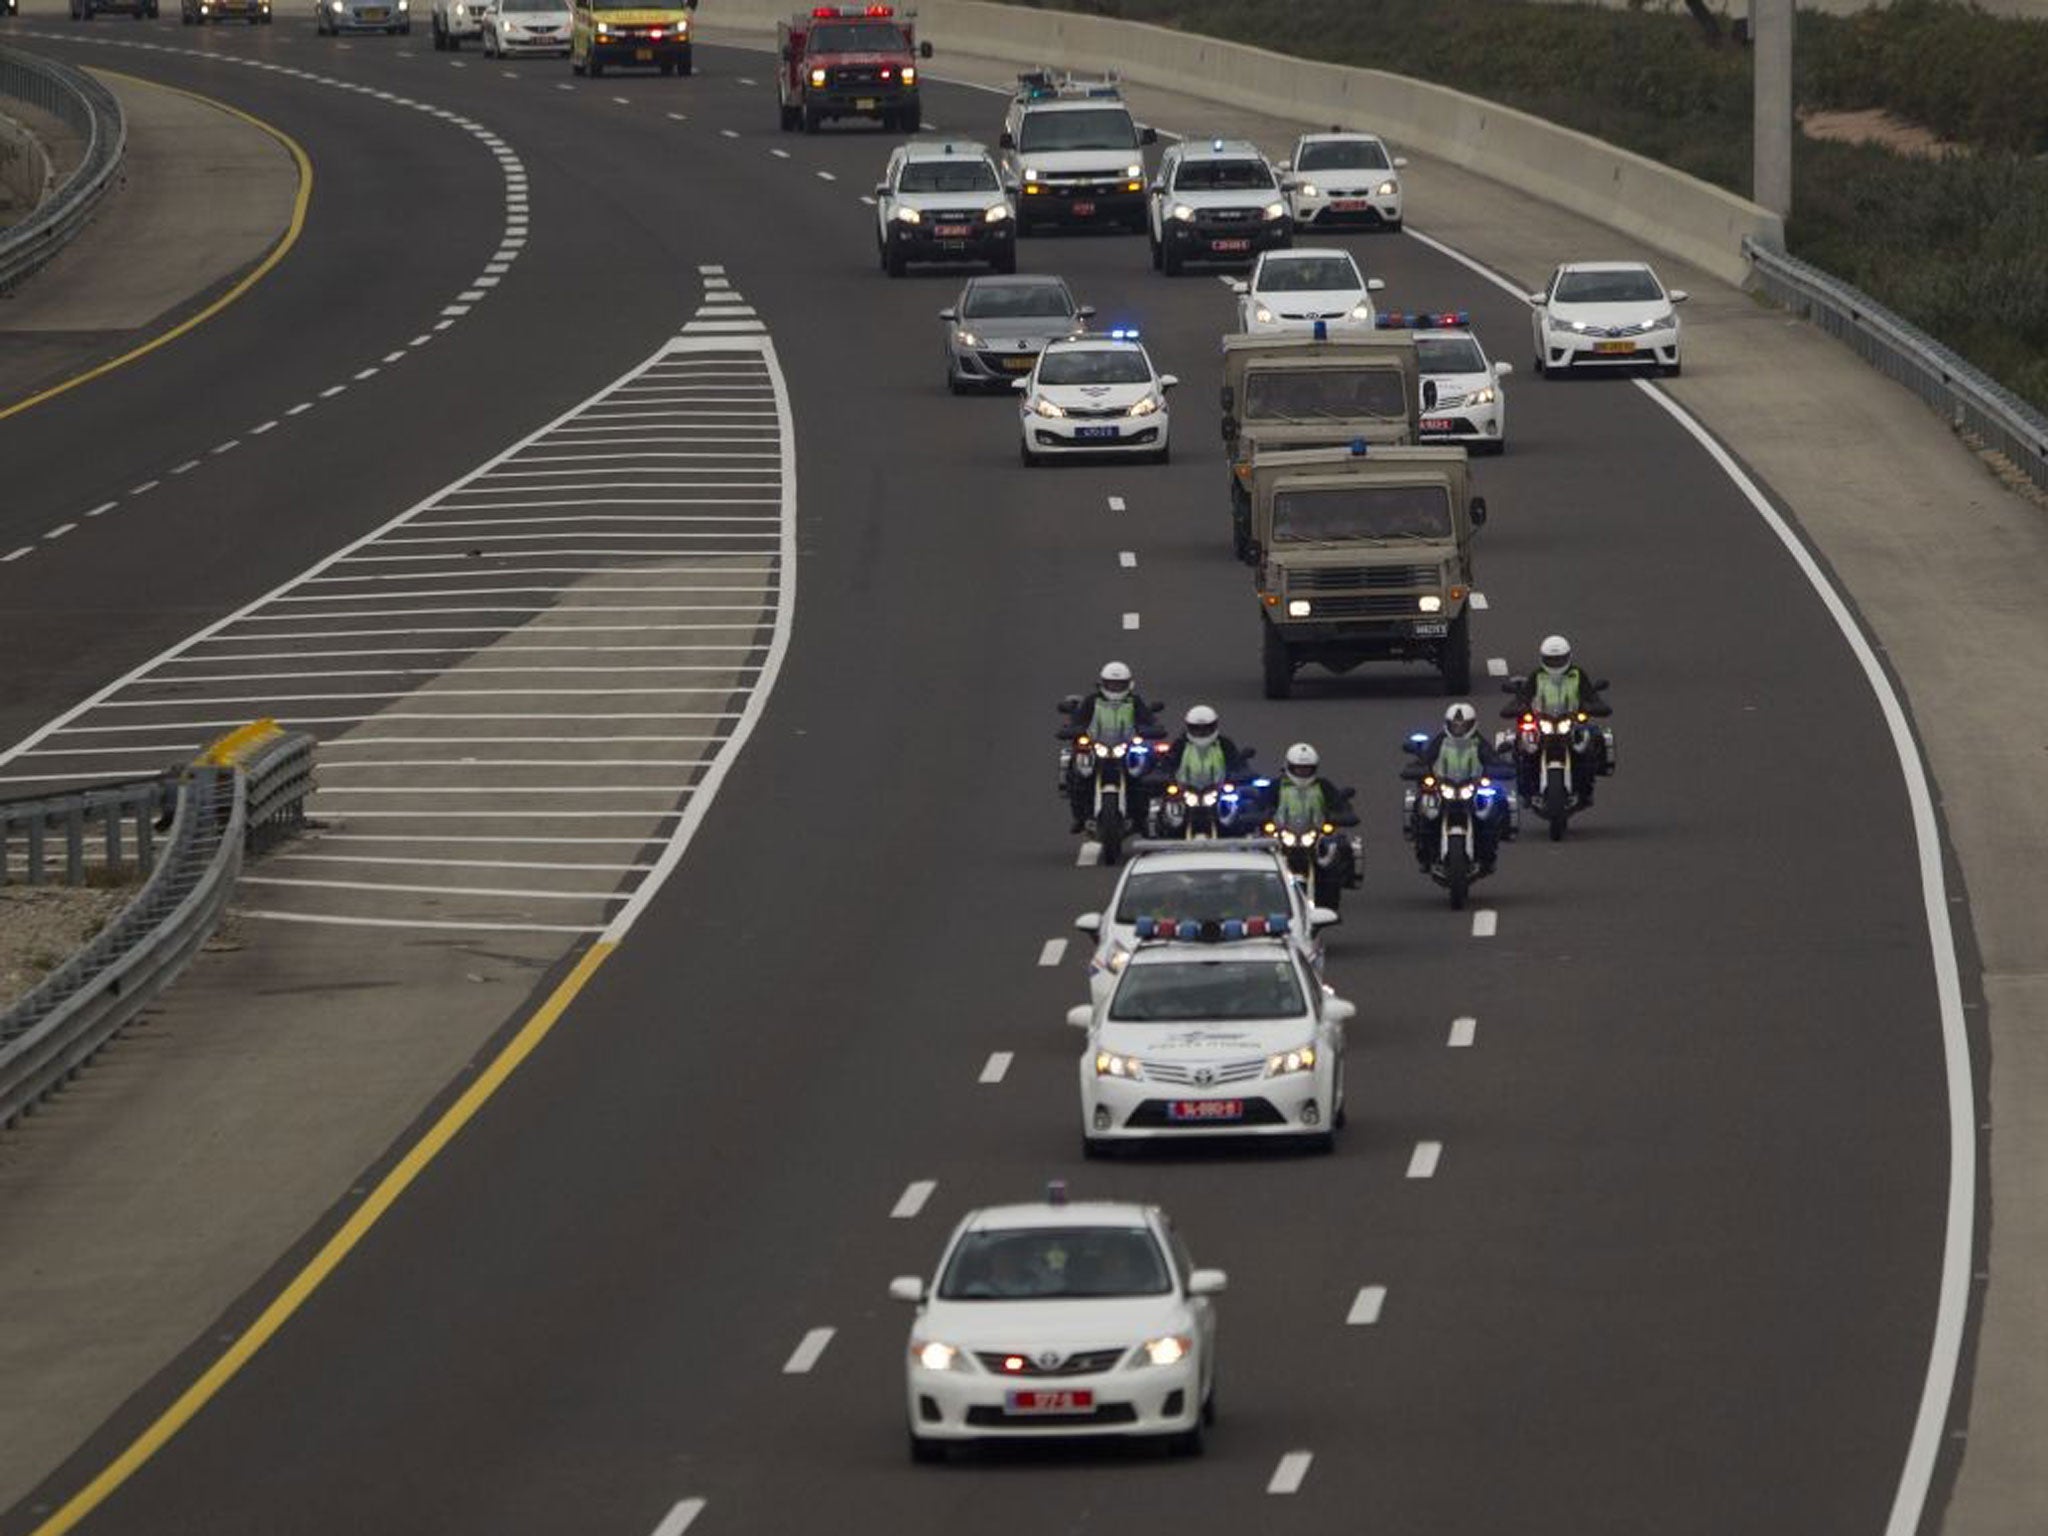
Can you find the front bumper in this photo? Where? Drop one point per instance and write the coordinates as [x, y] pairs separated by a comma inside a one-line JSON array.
[[1132, 434], [1357, 211], [1082, 203], [860, 100], [462, 26], [234, 10], [990, 365], [982, 241], [1570, 349], [1117, 1109], [642, 51], [1467, 424], [1226, 242], [972, 1404], [527, 42], [369, 18]]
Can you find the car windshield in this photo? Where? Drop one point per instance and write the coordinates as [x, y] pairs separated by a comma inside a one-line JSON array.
[[1336, 394], [1222, 176], [1343, 155], [1631, 286], [1205, 895], [532, 7], [947, 176], [858, 37], [1361, 512], [1044, 1263], [1308, 274], [1018, 301], [1088, 128], [1449, 354], [1094, 365], [1189, 992]]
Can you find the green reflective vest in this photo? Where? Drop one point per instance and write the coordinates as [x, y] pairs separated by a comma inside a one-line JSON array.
[[1114, 720], [1557, 693], [1202, 764], [1301, 805], [1457, 760]]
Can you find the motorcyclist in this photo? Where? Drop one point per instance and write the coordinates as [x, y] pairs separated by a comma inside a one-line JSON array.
[[1559, 686], [1304, 799], [1457, 754], [1114, 713], [1202, 757]]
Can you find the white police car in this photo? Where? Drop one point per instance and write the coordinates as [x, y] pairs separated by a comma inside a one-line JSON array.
[[1462, 397], [1095, 394], [1605, 314], [943, 202], [1215, 201], [1206, 882], [1340, 180], [1305, 291], [1217, 1031], [1057, 1319]]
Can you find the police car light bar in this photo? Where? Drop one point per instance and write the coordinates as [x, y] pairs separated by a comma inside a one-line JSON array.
[[833, 12], [1421, 320], [1211, 930], [1124, 333]]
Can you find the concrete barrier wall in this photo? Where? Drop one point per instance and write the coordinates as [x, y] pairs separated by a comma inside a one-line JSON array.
[[1664, 209]]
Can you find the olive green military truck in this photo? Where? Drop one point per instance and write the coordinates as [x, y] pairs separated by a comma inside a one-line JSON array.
[[1363, 554]]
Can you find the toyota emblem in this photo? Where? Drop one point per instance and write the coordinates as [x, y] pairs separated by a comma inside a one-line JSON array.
[[1204, 1076], [1049, 1359]]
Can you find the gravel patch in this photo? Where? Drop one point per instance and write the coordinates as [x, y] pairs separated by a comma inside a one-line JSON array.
[[43, 926]]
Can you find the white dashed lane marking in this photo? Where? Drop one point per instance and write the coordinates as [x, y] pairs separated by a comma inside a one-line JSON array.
[[1366, 1305], [1127, 558], [1116, 504], [1052, 952], [679, 1519], [1496, 666], [996, 1068], [807, 1352], [1479, 600], [1090, 855], [15, 554], [60, 530], [1422, 1162], [1463, 1032], [1485, 923], [1291, 1473], [105, 506], [1130, 621], [911, 1201]]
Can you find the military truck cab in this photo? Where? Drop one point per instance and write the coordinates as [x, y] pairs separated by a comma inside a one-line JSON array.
[[1282, 392], [1363, 555]]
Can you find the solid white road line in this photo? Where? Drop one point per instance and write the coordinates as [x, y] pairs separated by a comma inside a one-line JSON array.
[[996, 1068], [1052, 952], [912, 1200], [440, 861], [677, 1520], [1089, 856], [1485, 923], [431, 890], [1422, 1162], [1365, 1307], [1291, 1473], [1462, 1032], [806, 1354], [431, 924]]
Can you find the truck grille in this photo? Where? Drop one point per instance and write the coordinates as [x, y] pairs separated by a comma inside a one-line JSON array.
[[1365, 608], [1228, 218], [1321, 578]]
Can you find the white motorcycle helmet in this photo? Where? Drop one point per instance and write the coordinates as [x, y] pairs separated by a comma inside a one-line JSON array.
[[1460, 718], [1115, 679], [1202, 723], [1302, 761], [1555, 653]]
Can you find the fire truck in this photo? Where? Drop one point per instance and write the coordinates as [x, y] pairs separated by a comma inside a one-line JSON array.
[[849, 61]]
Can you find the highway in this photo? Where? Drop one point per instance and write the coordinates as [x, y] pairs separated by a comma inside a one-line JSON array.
[[1675, 1263]]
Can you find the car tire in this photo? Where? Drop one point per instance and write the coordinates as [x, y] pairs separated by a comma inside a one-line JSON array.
[[1673, 371], [1188, 1443], [786, 116], [595, 65], [1165, 454], [1006, 263], [954, 383], [1457, 662], [926, 1453], [1157, 260], [809, 120], [1537, 364], [1170, 261], [1096, 1148], [1278, 667], [1393, 226], [685, 65], [666, 68], [894, 264], [1030, 459], [406, 30]]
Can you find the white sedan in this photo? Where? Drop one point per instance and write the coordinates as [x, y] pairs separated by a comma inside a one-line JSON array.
[[1605, 314], [1095, 394], [1344, 181], [1462, 398], [1297, 290], [526, 26], [1200, 1039], [1057, 1319], [1204, 882]]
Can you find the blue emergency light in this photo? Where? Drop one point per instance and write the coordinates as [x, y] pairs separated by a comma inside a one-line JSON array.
[[1124, 333], [1212, 930], [1359, 447]]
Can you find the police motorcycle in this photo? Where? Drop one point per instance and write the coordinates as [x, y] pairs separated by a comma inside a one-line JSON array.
[[1184, 813], [1111, 773], [1443, 820], [1556, 755], [1325, 858]]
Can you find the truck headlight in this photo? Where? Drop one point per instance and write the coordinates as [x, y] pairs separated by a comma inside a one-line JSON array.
[[1276, 210], [817, 77], [1133, 172], [910, 74], [1430, 603], [997, 214], [1299, 608], [1183, 212], [909, 216]]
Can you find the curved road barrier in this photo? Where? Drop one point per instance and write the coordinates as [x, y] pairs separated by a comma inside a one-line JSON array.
[[76, 818], [249, 786], [90, 108]]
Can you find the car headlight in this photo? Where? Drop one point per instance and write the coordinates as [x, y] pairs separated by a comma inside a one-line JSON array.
[[1484, 396], [1301, 1059], [1658, 322], [1389, 188], [1119, 957], [934, 1356], [1169, 1350], [1361, 312], [604, 29], [909, 216], [1133, 172], [1276, 210], [1580, 326], [910, 74], [1046, 407], [1309, 189], [1031, 173], [1110, 1064], [967, 338], [1146, 407], [1263, 315], [997, 214], [1184, 213], [817, 77]]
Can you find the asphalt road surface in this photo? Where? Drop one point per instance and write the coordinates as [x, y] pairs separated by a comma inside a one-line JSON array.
[[1675, 1264]]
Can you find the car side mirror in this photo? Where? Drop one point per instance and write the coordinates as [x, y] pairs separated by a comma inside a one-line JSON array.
[[1320, 918], [1478, 511], [924, 50], [1338, 1011], [1238, 285], [882, 189], [1020, 385], [1168, 380], [949, 314], [1502, 370], [1007, 141], [1400, 162], [1536, 298], [1208, 1282], [1148, 135], [1081, 1015], [908, 1288], [1375, 285], [1515, 684], [1086, 311], [1429, 394], [1678, 295], [1089, 922]]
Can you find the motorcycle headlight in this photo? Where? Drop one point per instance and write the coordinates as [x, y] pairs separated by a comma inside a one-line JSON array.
[[1146, 407], [1183, 212], [1209, 797], [909, 216], [1170, 1350], [997, 214], [1110, 1064], [1046, 407], [935, 1356], [1301, 1059], [1276, 211]]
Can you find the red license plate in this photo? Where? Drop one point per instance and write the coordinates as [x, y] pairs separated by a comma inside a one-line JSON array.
[[1049, 1402], [1437, 424], [1206, 1109], [1230, 245], [1350, 205], [952, 231], [1083, 210]]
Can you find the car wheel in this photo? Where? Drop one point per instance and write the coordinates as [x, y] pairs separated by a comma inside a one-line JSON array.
[[894, 263], [1156, 253], [1674, 370], [666, 68], [1164, 455], [1209, 1408], [1537, 364], [684, 64], [1279, 669], [1393, 226], [955, 384], [1189, 1442], [1006, 263], [1095, 1148], [595, 65], [1031, 460], [809, 120], [926, 1453], [786, 118], [1170, 261]]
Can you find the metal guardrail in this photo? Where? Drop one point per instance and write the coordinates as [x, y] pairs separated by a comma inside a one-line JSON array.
[[247, 790], [1961, 392], [90, 108], [105, 813]]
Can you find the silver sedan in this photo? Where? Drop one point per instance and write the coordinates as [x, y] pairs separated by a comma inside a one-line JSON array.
[[998, 326]]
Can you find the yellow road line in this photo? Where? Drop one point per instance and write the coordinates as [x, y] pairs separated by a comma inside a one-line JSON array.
[[278, 252], [336, 1248]]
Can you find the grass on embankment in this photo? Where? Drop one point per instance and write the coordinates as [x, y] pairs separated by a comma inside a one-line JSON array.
[[1958, 246]]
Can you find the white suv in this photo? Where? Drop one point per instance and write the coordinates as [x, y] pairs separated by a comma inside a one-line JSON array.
[[1215, 201], [453, 20]]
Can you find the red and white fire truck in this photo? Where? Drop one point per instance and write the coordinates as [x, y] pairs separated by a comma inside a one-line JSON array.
[[849, 61]]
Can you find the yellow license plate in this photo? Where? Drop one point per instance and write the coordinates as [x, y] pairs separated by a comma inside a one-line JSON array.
[[865, 104], [643, 55], [1614, 346]]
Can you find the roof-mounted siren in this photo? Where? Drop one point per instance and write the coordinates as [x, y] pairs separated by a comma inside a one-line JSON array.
[[1124, 333]]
